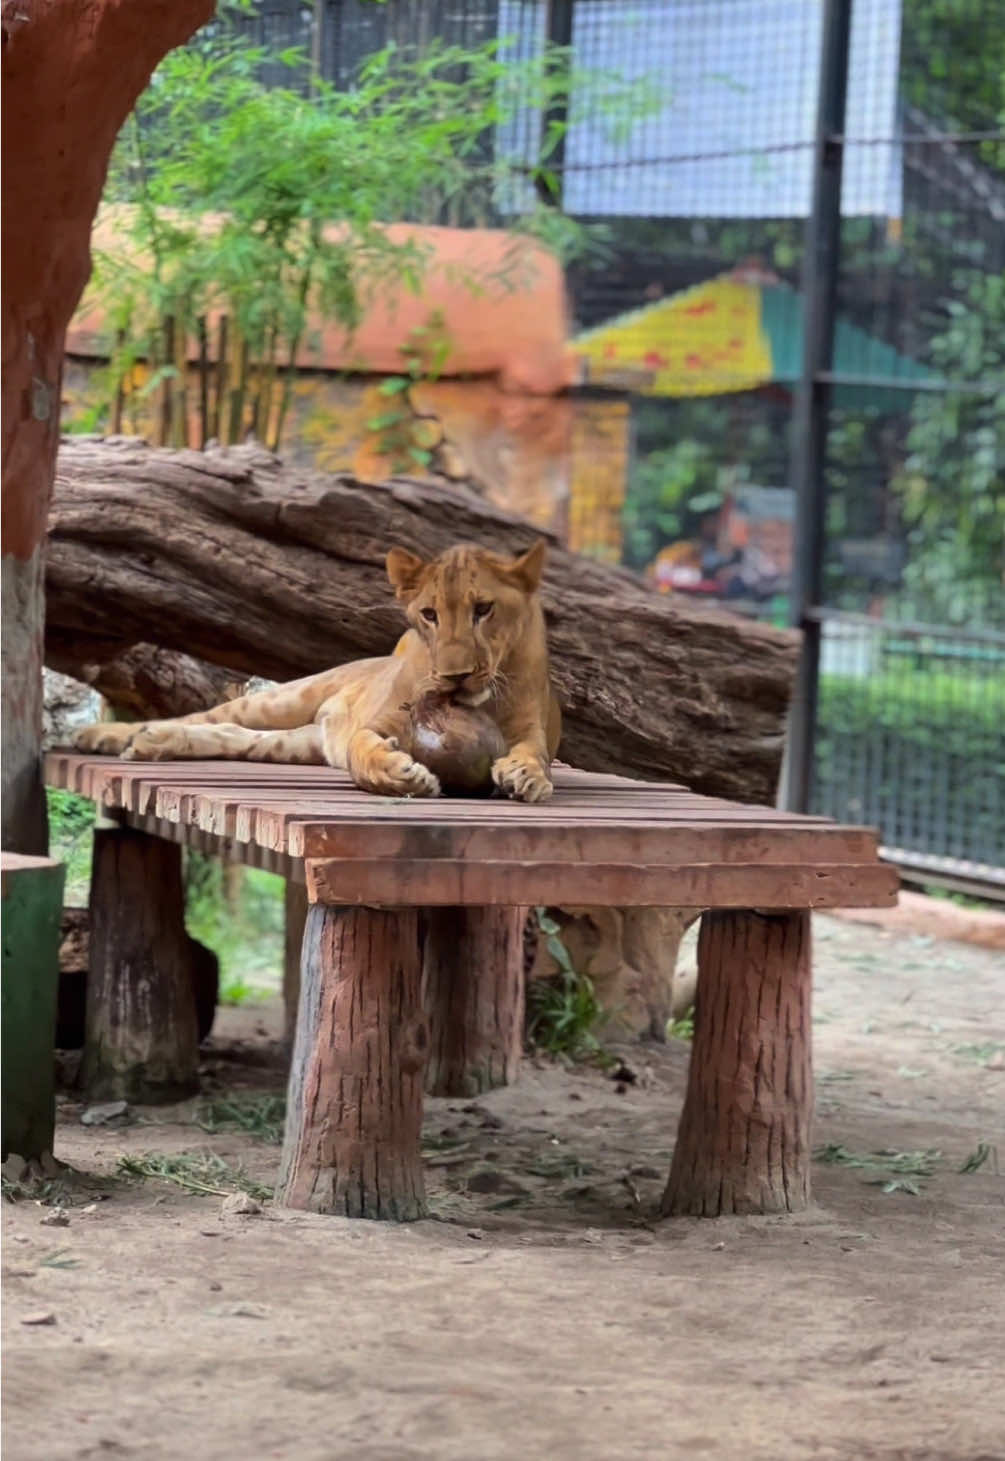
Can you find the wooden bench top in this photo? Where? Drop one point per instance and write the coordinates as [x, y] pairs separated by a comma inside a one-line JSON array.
[[599, 840]]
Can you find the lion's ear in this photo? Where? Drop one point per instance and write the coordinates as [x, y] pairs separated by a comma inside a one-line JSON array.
[[404, 570], [528, 568]]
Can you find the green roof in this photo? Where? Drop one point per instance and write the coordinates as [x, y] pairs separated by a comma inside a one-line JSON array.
[[886, 378]]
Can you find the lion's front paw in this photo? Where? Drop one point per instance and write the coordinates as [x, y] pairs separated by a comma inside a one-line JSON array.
[[396, 774], [524, 778], [153, 744], [108, 737]]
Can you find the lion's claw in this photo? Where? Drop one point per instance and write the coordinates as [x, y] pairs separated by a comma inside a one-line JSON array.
[[107, 737], [523, 780]]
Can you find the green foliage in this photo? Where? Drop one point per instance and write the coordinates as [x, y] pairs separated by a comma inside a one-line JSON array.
[[682, 1029], [204, 1173], [901, 1171], [923, 735], [248, 938], [661, 488], [258, 1115], [954, 66], [275, 165], [982, 1153], [689, 453], [562, 1012], [71, 824], [963, 712], [952, 485]]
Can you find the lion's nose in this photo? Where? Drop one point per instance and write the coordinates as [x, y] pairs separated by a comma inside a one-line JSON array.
[[456, 677]]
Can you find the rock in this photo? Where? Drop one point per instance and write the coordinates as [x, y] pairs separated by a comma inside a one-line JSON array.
[[69, 705], [239, 1204], [56, 1217], [42, 1316], [14, 1168], [102, 1114]]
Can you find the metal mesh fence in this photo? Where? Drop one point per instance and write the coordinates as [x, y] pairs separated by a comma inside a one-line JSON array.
[[700, 200]]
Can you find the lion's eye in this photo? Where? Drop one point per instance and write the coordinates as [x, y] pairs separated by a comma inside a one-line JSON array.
[[429, 615], [483, 610]]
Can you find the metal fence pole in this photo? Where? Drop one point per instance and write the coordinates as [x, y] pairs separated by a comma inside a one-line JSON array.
[[559, 31], [809, 428]]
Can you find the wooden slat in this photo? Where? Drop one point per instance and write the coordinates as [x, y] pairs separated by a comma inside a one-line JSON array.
[[650, 843], [248, 854], [386, 883], [599, 839]]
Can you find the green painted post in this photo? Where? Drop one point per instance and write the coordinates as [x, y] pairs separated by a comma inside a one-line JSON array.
[[29, 978]]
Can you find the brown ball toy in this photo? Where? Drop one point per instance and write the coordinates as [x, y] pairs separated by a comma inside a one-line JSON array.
[[457, 743]]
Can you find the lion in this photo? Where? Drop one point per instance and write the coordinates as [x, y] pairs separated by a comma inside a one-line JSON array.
[[476, 630]]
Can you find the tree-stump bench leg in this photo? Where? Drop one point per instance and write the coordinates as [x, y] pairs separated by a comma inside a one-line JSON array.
[[473, 985], [141, 1041], [743, 1145], [295, 907], [354, 1107]]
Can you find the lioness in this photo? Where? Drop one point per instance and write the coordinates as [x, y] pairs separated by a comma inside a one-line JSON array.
[[477, 631]]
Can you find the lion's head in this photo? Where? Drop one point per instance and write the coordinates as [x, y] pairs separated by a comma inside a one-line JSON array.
[[470, 608]]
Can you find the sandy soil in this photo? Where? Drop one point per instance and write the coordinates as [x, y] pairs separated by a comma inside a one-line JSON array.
[[545, 1314]]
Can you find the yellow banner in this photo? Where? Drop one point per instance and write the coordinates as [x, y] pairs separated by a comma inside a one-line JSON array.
[[702, 342]]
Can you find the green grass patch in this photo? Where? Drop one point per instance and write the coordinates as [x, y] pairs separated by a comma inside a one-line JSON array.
[[913, 1164], [979, 1053], [983, 1153], [562, 1012], [203, 1173], [899, 1171], [682, 1029], [258, 1115]]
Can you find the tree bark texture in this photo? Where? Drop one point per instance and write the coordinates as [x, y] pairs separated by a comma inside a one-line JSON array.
[[473, 986], [231, 558], [22, 612], [94, 56], [141, 1041], [74, 966], [743, 1145], [295, 908], [354, 1105], [149, 683]]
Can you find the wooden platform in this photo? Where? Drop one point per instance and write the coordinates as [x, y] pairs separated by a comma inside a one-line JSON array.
[[599, 840], [396, 886]]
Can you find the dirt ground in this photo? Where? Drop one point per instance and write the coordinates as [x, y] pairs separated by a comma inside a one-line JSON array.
[[545, 1313]]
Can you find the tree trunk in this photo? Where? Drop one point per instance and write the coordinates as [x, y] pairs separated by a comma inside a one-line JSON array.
[[22, 611], [149, 683], [74, 965], [295, 907], [141, 1041], [354, 1109], [229, 557], [744, 1140], [95, 56], [472, 969]]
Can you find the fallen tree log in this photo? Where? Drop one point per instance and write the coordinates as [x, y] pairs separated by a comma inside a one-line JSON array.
[[146, 682], [233, 558]]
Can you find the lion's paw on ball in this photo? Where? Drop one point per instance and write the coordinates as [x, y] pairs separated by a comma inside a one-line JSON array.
[[459, 744]]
